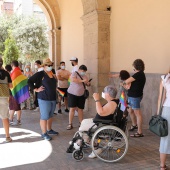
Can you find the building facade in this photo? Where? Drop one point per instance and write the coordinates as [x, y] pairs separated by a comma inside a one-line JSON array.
[[6, 7], [28, 8]]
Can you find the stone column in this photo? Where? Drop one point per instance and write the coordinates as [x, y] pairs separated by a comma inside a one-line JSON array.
[[57, 41], [55, 46], [97, 50], [51, 44]]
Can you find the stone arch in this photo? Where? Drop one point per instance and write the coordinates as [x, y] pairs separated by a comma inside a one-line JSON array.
[[52, 12]]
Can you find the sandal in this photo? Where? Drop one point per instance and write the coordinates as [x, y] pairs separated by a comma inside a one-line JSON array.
[[137, 135], [132, 128], [69, 127], [163, 167]]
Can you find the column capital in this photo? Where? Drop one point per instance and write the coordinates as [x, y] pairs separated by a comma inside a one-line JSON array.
[[96, 15]]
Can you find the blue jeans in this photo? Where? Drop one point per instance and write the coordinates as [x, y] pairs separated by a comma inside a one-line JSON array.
[[47, 109], [134, 102]]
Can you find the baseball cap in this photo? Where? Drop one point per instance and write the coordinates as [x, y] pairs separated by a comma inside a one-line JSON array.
[[74, 59]]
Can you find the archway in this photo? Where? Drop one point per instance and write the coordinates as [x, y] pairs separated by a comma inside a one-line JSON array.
[[52, 12]]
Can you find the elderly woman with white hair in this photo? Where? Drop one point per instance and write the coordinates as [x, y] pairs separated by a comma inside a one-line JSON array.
[[104, 112]]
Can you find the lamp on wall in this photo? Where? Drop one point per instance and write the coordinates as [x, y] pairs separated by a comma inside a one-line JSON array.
[[108, 8]]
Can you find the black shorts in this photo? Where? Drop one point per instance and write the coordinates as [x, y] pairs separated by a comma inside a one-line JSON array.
[[76, 101], [64, 90]]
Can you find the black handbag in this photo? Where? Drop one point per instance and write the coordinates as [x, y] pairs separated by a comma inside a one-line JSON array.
[[158, 125], [86, 92]]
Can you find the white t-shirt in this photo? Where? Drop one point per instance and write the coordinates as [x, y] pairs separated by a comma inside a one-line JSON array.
[[166, 84], [75, 68]]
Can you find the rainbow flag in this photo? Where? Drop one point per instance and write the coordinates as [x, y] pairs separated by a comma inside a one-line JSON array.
[[69, 81], [61, 92], [20, 89], [123, 99]]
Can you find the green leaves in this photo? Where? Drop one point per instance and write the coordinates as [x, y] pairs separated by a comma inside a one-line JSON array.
[[27, 34]]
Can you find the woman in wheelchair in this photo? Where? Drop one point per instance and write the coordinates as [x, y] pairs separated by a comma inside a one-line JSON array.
[[105, 112]]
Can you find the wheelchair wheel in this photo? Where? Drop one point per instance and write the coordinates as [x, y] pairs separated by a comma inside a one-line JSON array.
[[111, 142], [78, 155]]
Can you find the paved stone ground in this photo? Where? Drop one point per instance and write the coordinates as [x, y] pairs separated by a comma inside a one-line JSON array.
[[29, 152]]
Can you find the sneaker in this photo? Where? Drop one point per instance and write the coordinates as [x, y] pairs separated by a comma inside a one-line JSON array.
[[37, 109], [59, 111], [45, 136], [52, 132], [92, 155], [8, 139], [66, 110], [18, 122], [12, 123], [76, 113]]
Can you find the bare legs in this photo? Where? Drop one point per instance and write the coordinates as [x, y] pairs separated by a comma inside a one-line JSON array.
[[46, 125], [65, 102], [6, 126], [71, 114], [12, 115], [136, 117], [162, 160]]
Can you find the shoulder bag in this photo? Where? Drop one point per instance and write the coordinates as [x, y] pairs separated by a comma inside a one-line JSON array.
[[158, 125], [86, 92]]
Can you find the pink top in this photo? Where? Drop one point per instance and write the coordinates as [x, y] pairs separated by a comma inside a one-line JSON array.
[[76, 89]]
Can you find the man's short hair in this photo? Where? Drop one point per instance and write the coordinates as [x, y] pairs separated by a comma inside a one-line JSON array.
[[83, 67], [8, 68], [15, 63], [38, 62], [62, 62]]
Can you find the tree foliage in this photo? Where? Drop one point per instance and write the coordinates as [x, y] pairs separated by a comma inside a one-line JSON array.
[[6, 23], [31, 39], [29, 34], [11, 50]]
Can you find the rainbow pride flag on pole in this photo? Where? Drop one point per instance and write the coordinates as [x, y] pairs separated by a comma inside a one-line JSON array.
[[61, 92], [20, 89], [123, 99]]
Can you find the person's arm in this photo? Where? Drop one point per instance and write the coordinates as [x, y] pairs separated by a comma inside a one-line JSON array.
[[59, 76], [113, 75], [107, 109], [66, 76], [74, 78], [160, 94], [35, 80], [128, 81], [10, 85]]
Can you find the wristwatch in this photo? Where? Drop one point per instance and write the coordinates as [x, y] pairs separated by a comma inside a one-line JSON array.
[[97, 100]]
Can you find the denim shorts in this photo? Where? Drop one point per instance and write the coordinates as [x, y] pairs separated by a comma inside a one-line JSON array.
[[134, 102], [47, 108]]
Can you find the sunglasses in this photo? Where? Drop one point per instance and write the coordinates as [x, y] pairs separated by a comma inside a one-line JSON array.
[[49, 65]]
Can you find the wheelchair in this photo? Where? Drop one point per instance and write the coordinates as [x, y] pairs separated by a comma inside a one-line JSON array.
[[110, 136]]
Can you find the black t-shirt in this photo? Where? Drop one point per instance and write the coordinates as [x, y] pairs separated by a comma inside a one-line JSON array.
[[109, 117], [136, 88], [42, 79], [4, 74]]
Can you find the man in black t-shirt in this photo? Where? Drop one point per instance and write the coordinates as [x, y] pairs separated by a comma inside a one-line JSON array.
[[136, 85]]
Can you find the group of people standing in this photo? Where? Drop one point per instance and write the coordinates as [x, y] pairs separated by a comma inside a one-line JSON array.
[[70, 86]]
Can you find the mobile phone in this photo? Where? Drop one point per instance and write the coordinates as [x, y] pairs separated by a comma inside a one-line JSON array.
[[90, 80]]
